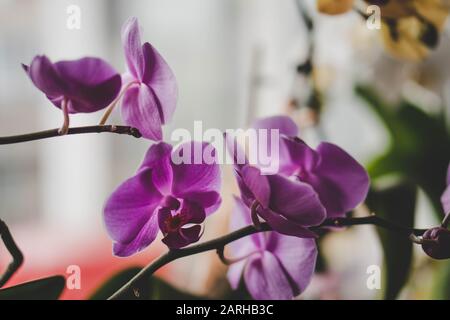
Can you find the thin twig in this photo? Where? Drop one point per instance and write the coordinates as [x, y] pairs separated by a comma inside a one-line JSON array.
[[221, 242], [77, 130], [17, 256]]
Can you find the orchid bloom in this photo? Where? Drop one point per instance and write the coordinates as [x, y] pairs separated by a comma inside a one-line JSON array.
[[272, 265], [78, 86], [149, 85], [173, 198], [288, 205], [436, 241], [340, 182]]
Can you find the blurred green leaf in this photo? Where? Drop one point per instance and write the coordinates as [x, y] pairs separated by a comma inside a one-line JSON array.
[[41, 289], [151, 288], [397, 204], [441, 287], [419, 148]]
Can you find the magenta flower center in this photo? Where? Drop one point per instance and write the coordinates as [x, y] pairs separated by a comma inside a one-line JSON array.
[[175, 222]]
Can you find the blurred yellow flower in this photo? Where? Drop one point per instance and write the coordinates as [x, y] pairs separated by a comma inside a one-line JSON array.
[[410, 28], [334, 6]]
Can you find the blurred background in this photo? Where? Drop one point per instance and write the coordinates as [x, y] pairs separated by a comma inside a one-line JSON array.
[[234, 61]]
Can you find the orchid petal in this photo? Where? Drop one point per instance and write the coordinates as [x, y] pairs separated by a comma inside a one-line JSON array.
[[130, 208], [285, 226], [160, 78], [143, 239], [158, 157], [297, 256], [140, 110], [341, 182], [295, 200], [45, 76], [257, 184], [92, 84], [265, 278], [191, 179], [284, 124], [133, 50]]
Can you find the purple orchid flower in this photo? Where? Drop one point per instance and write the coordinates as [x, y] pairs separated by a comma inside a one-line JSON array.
[[436, 241], [288, 205], [150, 89], [272, 265], [175, 198], [339, 180], [78, 86]]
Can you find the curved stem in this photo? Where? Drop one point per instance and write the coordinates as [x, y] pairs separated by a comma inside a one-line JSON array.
[[76, 130], [65, 126], [113, 104], [13, 249], [221, 242], [446, 221]]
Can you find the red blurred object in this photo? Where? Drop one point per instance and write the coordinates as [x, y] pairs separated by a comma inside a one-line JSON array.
[[50, 252]]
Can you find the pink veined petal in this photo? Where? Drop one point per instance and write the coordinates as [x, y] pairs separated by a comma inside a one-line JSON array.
[[142, 240], [160, 78], [301, 157], [265, 279], [131, 42], [234, 273], [257, 184], [448, 176], [130, 207], [194, 178], [295, 200], [158, 157], [235, 151], [341, 182], [209, 200], [445, 199], [45, 77], [270, 152], [285, 226], [140, 110], [297, 256], [92, 84], [241, 217], [284, 124]]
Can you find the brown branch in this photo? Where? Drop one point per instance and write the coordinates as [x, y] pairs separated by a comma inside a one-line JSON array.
[[219, 244], [13, 249], [76, 130]]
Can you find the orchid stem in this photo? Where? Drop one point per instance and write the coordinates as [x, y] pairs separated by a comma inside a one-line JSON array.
[[13, 249], [113, 104], [65, 126], [219, 243], [76, 130]]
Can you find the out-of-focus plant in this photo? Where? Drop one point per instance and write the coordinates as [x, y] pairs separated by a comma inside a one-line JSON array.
[[410, 28], [419, 154]]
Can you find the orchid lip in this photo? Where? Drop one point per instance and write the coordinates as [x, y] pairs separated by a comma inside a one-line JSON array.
[[174, 223], [171, 203]]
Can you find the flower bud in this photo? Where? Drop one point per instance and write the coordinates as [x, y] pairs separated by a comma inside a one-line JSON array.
[[436, 243]]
